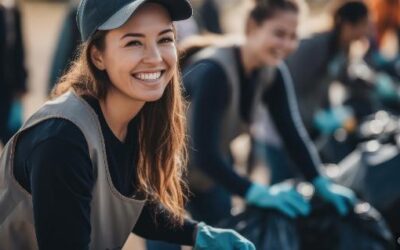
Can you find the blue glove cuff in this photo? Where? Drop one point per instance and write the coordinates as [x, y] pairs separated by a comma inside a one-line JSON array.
[[253, 192], [320, 182]]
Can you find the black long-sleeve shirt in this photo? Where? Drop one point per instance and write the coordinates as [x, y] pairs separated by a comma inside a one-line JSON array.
[[206, 85], [52, 163]]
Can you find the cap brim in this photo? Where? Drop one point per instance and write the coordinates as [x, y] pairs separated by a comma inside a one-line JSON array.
[[178, 9]]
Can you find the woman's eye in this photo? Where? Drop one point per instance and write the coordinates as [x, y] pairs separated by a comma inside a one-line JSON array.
[[166, 40], [134, 43], [280, 33]]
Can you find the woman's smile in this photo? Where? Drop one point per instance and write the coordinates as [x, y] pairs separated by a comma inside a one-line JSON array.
[[148, 76]]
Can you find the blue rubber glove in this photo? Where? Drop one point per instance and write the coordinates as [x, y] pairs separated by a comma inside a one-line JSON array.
[[281, 196], [341, 197], [209, 238], [386, 87], [328, 120]]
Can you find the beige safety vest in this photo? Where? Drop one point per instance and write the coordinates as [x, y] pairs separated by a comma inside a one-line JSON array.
[[232, 123], [113, 215]]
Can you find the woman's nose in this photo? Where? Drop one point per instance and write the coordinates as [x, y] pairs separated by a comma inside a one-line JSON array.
[[152, 54]]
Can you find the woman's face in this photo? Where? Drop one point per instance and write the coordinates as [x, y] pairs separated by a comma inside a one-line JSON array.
[[275, 38], [140, 57], [353, 32]]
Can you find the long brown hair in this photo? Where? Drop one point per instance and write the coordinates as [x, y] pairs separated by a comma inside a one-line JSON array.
[[162, 130]]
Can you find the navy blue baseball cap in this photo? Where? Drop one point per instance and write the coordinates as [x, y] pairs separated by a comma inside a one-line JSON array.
[[96, 15]]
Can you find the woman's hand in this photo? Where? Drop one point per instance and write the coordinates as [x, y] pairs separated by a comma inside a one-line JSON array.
[[341, 197], [210, 238]]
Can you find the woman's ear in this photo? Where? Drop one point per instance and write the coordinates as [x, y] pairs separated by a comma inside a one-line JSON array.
[[97, 58]]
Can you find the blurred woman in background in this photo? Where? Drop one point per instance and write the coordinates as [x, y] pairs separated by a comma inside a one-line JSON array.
[[319, 60], [327, 56], [225, 85]]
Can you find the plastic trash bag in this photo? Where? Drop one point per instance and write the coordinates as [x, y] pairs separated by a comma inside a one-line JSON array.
[[373, 171], [363, 228], [324, 229], [267, 229]]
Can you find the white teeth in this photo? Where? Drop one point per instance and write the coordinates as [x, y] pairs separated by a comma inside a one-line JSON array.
[[148, 76]]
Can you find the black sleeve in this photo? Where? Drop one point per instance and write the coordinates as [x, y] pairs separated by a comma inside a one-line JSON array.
[[61, 186], [155, 223], [207, 85], [282, 103]]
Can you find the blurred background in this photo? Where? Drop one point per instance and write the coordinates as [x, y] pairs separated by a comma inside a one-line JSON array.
[[39, 28], [42, 23]]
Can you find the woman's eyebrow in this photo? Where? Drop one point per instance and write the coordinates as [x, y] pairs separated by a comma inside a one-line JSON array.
[[133, 35], [165, 31], [142, 35]]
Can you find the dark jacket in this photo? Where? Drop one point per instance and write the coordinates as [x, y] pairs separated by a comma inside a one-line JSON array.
[[310, 82], [12, 69]]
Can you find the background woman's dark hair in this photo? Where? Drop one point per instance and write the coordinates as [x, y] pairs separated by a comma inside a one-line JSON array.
[[266, 9], [350, 12]]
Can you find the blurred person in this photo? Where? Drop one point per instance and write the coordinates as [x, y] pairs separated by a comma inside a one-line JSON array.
[[67, 45], [13, 73], [385, 15], [225, 85], [326, 56], [106, 156], [318, 61]]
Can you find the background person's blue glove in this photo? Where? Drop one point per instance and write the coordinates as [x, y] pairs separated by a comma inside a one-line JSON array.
[[328, 120], [281, 196], [341, 197], [15, 116], [210, 238]]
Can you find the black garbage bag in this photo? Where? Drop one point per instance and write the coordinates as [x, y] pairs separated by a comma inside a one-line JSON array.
[[362, 228], [267, 229], [323, 229], [374, 175]]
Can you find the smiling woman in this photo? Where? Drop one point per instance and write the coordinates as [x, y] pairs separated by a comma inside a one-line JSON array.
[[226, 85], [106, 156], [139, 64]]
